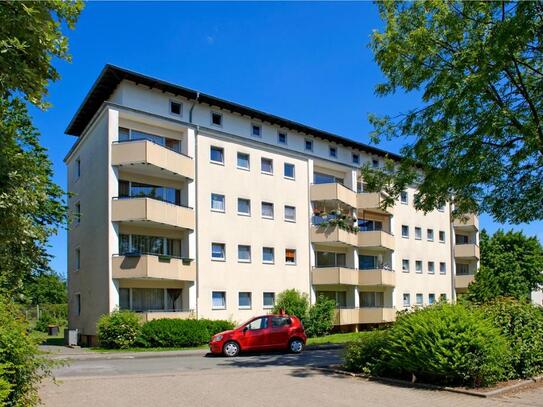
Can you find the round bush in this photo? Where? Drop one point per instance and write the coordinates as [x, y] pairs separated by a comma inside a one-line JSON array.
[[522, 324], [320, 318], [118, 330], [447, 344]]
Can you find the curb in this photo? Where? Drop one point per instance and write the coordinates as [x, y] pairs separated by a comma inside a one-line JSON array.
[[165, 354], [404, 383]]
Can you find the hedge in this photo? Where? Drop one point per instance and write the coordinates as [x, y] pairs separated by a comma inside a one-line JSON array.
[[118, 330]]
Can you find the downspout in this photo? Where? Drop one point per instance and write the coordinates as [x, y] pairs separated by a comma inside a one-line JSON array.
[[197, 282], [452, 239]]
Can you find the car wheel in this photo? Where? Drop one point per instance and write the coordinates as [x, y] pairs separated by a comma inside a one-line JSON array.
[[296, 345], [230, 349]]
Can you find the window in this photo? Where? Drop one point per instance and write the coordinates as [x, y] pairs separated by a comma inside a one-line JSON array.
[[77, 168], [290, 256], [259, 323], [330, 259], [268, 255], [441, 236], [244, 300], [256, 130], [404, 197], [375, 163], [267, 210], [78, 304], [405, 265], [406, 300], [77, 213], [371, 299], [244, 161], [369, 225], [244, 253], [216, 119], [217, 155], [129, 189], [418, 266], [442, 268], [430, 235], [366, 262], [441, 208], [431, 298], [333, 152], [340, 297], [217, 251], [462, 269], [431, 268], [308, 145], [124, 298], [266, 166], [289, 171], [356, 158], [268, 300], [419, 299], [319, 178], [405, 231], [124, 134], [443, 297], [244, 206], [217, 203], [418, 233], [218, 300], [290, 213], [462, 239], [280, 322], [77, 259], [153, 245], [176, 108], [282, 137]]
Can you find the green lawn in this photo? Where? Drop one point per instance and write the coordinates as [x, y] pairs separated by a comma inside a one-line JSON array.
[[335, 338]]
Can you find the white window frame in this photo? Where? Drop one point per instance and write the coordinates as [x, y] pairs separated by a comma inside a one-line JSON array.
[[223, 258], [417, 270], [417, 296], [264, 306], [430, 302], [406, 201], [293, 171], [430, 239], [418, 229], [213, 161], [431, 270], [440, 268], [285, 213], [295, 257], [253, 125], [273, 255], [261, 168], [211, 114], [408, 300], [244, 213], [180, 114], [439, 236], [405, 270], [248, 168], [307, 140], [284, 133], [213, 307], [262, 212], [214, 194], [406, 236], [240, 260], [250, 306]]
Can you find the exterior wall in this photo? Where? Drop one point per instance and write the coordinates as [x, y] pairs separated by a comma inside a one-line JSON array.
[[424, 250], [92, 191], [232, 229]]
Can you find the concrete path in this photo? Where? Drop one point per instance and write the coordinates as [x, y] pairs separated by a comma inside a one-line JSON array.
[[279, 380]]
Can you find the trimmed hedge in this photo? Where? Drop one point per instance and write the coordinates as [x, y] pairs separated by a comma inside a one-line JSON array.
[[118, 330], [173, 333], [443, 344]]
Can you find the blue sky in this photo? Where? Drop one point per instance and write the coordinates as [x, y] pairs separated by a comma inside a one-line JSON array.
[[305, 61]]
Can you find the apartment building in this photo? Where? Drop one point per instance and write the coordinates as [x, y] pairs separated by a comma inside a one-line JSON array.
[[186, 205]]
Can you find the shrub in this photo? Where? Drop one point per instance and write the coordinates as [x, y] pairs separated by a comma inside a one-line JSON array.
[[44, 321], [21, 365], [172, 333], [293, 302], [522, 324], [320, 318], [118, 330], [447, 344], [364, 354], [214, 326]]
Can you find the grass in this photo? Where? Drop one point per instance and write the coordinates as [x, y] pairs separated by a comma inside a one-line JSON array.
[[334, 338], [56, 340]]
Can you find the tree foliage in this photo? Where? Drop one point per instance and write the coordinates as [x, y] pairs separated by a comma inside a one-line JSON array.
[[511, 266], [31, 205], [292, 302], [477, 140], [48, 288]]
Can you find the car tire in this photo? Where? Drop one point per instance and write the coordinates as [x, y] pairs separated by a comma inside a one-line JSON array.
[[296, 345], [230, 349]]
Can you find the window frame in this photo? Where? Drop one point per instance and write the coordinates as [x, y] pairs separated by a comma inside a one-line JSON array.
[[240, 260], [293, 263], [307, 140], [293, 220], [444, 236], [406, 201], [212, 114], [417, 296], [239, 167], [419, 263], [256, 125], [332, 151], [293, 171], [223, 245], [273, 255], [264, 306], [262, 211], [250, 296], [442, 270], [406, 270], [357, 156], [282, 133], [213, 194], [408, 295], [262, 159], [221, 149], [77, 260], [431, 270], [172, 102], [213, 306], [244, 213], [406, 236], [77, 169], [419, 236], [428, 233]]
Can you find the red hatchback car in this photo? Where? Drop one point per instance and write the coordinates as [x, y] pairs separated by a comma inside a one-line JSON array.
[[268, 332]]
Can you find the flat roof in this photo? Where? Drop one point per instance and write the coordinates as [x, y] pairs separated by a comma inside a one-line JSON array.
[[112, 75]]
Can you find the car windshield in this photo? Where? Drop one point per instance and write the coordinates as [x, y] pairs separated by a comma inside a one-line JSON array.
[[248, 322]]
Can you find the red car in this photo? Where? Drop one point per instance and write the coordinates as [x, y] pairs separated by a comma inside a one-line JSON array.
[[261, 333]]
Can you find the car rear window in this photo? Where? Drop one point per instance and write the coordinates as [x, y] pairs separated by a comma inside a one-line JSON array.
[[278, 322]]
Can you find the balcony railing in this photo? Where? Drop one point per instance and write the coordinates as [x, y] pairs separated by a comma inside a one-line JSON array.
[[166, 314], [331, 192], [136, 155], [149, 210], [462, 282], [152, 266], [373, 201], [468, 251], [364, 315], [350, 276], [468, 223], [376, 239]]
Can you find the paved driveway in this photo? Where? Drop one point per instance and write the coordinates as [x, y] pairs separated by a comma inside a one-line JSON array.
[[275, 380]]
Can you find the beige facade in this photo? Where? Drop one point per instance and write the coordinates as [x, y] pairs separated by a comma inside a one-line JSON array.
[[192, 207]]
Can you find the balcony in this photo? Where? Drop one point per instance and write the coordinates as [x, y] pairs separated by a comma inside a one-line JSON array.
[[469, 223], [149, 211], [376, 239], [469, 251], [150, 315], [333, 235], [377, 315], [462, 281], [151, 159], [348, 276], [372, 201], [153, 267], [333, 192]]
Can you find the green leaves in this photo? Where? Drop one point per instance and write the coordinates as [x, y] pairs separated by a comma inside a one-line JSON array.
[[478, 138]]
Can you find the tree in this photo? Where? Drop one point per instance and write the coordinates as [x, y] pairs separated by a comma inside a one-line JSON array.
[[320, 318], [48, 288], [477, 139], [31, 206], [292, 302], [511, 266]]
